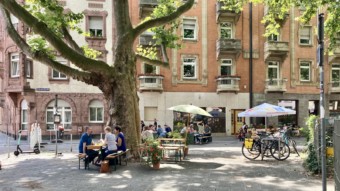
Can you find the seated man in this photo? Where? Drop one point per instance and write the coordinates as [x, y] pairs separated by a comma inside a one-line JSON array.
[[86, 140], [207, 132], [147, 134], [198, 136], [160, 131]]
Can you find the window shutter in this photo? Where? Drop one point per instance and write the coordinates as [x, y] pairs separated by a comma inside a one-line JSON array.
[[96, 22]]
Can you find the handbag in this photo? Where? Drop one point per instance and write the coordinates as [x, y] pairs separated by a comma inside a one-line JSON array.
[[105, 167]]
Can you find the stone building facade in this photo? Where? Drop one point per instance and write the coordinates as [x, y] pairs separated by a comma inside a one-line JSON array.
[[210, 71]]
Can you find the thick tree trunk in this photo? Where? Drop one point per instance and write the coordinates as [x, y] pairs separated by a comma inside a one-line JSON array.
[[121, 93]]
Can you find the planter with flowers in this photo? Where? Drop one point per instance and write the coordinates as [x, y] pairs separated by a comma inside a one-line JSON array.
[[155, 153]]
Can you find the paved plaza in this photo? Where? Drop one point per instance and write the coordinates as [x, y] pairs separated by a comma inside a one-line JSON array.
[[219, 165]]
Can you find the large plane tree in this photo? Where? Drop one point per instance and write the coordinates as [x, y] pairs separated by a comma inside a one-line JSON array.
[[50, 27]]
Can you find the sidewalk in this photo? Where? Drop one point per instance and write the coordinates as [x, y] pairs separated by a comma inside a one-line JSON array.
[[219, 165]]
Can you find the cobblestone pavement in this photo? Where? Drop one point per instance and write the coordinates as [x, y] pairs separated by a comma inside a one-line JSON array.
[[214, 166]]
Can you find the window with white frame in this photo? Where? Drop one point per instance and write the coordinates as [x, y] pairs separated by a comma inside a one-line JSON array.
[[336, 75], [189, 68], [306, 35], [65, 111], [226, 67], [189, 29], [28, 68], [273, 72], [96, 111], [58, 75], [226, 30], [96, 26], [15, 67], [305, 71], [273, 37], [150, 69], [24, 115]]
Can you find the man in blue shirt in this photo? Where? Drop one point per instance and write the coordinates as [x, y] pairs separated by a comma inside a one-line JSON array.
[[86, 140]]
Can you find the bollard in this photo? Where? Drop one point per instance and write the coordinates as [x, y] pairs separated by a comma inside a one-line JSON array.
[[71, 142]]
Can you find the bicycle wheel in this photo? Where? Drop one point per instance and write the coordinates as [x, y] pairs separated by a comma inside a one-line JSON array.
[[253, 152], [293, 144], [280, 153]]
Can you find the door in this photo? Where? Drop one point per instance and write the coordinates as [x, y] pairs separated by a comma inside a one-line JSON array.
[[236, 121]]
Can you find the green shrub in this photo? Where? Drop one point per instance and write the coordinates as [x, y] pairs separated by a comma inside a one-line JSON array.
[[311, 162], [310, 122]]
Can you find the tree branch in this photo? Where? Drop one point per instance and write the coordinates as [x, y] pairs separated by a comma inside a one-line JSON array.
[[164, 53], [153, 62], [42, 56], [70, 41], [41, 28], [162, 20]]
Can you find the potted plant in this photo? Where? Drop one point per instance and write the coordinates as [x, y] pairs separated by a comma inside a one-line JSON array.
[[155, 154]]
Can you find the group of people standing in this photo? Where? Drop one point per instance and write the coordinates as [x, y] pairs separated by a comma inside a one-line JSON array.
[[113, 142]]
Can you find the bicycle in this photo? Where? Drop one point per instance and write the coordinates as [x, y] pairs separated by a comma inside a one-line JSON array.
[[289, 141]]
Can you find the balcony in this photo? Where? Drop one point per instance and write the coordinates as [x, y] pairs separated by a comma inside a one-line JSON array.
[[274, 49], [275, 85], [228, 47], [228, 84], [146, 39], [146, 7], [334, 87], [151, 82], [280, 21], [222, 14]]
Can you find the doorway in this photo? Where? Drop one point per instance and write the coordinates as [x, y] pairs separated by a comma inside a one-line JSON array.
[[236, 121]]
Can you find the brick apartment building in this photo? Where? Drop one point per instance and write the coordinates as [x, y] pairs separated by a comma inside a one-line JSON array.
[[210, 71]]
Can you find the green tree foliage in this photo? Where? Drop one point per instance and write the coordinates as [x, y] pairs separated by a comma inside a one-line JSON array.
[[278, 9]]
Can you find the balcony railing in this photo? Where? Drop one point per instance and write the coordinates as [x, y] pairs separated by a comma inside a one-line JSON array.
[[228, 84], [222, 14], [276, 49], [146, 39], [228, 46], [334, 87], [150, 83], [276, 85]]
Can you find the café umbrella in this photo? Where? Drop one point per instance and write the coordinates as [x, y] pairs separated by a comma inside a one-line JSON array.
[[266, 110], [191, 109]]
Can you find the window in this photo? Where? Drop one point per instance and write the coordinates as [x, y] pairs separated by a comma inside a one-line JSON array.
[[189, 29], [273, 37], [150, 69], [150, 113], [15, 65], [58, 75], [96, 26], [305, 73], [226, 30], [226, 67], [305, 36], [96, 111], [65, 111], [336, 75], [28, 69], [24, 115], [273, 72], [189, 68]]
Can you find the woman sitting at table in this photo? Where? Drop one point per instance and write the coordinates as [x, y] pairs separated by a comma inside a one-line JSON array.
[[110, 142], [120, 139]]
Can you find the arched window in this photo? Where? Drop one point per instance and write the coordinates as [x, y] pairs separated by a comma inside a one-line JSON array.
[[65, 111], [24, 115], [96, 111]]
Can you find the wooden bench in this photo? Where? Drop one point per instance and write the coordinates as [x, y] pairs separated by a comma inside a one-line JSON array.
[[118, 157], [82, 157], [174, 144], [208, 139]]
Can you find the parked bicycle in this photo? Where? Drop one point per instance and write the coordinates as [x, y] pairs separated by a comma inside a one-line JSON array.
[[267, 146]]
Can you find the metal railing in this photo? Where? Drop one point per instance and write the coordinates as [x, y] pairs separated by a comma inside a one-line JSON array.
[[148, 2], [228, 45], [276, 85], [228, 84], [150, 83]]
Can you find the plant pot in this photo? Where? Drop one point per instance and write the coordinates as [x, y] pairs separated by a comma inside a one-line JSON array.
[[156, 165]]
